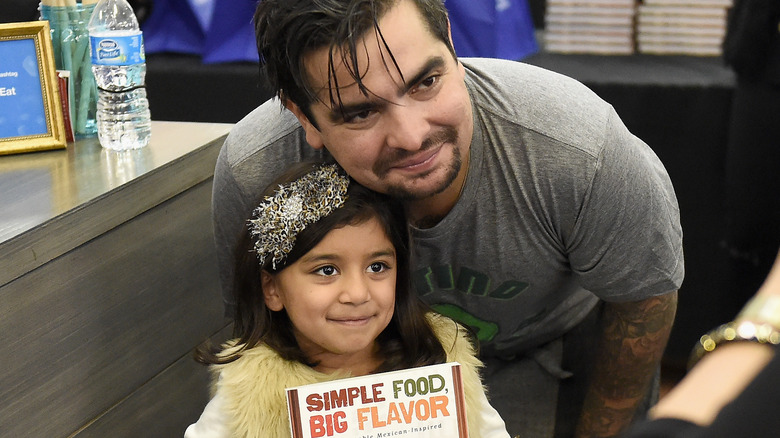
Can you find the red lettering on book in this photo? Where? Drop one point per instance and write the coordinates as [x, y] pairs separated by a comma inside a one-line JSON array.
[[327, 425]]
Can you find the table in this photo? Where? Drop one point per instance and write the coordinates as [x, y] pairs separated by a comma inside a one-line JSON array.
[[108, 280]]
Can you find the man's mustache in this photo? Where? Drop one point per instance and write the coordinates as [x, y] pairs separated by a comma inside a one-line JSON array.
[[445, 135]]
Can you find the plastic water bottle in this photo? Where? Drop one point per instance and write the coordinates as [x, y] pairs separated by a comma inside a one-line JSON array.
[[119, 65]]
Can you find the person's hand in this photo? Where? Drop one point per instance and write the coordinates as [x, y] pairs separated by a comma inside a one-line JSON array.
[[725, 372]]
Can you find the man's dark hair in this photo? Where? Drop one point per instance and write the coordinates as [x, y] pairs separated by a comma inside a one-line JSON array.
[[288, 30]]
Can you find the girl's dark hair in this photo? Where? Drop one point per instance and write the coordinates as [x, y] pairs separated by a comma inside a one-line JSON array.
[[288, 30], [408, 340]]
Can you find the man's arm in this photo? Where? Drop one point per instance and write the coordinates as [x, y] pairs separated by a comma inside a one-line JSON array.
[[633, 338]]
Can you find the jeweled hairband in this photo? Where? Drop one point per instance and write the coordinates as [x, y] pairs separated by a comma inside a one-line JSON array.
[[278, 220]]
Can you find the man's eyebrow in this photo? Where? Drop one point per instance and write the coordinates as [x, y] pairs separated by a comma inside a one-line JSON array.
[[432, 64], [338, 113]]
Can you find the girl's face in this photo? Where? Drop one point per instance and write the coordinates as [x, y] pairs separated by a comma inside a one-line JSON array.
[[339, 296]]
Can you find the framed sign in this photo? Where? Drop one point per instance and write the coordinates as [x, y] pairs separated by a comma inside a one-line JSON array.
[[30, 110]]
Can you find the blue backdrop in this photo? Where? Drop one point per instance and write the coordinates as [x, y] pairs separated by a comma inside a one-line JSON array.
[[483, 28]]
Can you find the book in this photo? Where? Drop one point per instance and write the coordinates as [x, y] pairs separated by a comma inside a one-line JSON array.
[[677, 11], [592, 49], [680, 49], [660, 29], [680, 40], [619, 40], [722, 3], [63, 85], [591, 3], [684, 27], [615, 11], [566, 19], [682, 20], [423, 402]]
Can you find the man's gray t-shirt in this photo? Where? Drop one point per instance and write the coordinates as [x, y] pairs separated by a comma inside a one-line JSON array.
[[561, 206]]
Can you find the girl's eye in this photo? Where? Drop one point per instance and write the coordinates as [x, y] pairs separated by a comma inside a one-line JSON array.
[[327, 271], [377, 267]]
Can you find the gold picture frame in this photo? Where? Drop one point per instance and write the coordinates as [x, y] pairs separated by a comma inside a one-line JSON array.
[[31, 116]]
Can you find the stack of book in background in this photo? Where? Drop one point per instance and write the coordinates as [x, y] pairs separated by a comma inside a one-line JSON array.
[[682, 27], [604, 27]]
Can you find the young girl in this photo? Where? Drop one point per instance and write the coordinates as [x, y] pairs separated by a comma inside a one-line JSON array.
[[324, 294]]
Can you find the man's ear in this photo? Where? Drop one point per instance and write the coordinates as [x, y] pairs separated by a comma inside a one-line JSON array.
[[273, 299], [313, 135]]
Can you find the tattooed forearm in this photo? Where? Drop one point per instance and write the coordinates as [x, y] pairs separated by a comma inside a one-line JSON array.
[[632, 342]]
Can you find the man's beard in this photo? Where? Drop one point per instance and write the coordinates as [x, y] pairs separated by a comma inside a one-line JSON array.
[[401, 191]]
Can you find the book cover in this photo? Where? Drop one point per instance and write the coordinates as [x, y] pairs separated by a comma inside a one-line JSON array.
[[422, 402]]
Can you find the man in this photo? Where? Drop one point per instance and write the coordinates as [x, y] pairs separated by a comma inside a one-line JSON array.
[[537, 218]]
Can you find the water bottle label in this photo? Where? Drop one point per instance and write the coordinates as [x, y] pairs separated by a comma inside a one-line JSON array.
[[117, 50]]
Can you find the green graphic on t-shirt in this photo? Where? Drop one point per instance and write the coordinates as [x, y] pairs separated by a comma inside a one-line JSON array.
[[468, 281], [485, 330]]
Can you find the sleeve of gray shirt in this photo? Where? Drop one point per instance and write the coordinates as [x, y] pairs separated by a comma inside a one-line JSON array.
[[629, 221]]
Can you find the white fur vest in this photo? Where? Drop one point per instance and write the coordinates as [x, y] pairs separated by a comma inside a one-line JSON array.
[[253, 386]]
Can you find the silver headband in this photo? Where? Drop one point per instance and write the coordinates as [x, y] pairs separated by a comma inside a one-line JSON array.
[[279, 218]]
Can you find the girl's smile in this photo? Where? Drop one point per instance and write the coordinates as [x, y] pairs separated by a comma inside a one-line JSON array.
[[339, 296]]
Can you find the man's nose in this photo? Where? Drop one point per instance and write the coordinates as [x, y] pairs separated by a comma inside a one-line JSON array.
[[407, 126]]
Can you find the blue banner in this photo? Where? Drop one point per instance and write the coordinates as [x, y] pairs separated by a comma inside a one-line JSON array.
[[231, 36], [480, 28], [174, 27], [492, 28]]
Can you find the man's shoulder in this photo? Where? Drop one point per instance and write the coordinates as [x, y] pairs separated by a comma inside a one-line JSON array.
[[268, 130], [538, 100], [518, 77], [261, 146]]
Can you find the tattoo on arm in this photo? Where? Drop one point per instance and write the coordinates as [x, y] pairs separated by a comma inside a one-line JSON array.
[[633, 339]]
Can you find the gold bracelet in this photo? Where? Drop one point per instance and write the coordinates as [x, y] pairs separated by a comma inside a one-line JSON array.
[[733, 332]]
